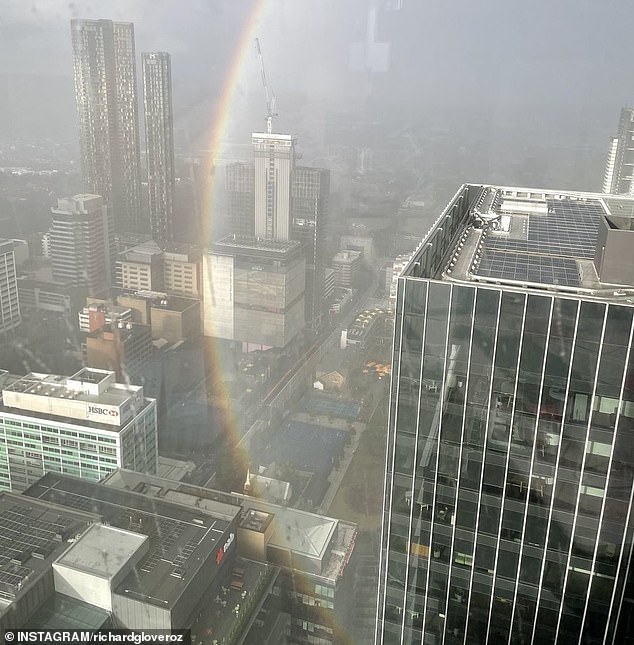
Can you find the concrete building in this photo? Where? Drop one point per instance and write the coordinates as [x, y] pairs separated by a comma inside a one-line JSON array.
[[618, 178], [274, 170], [9, 302], [165, 563], [140, 268], [124, 348], [105, 92], [98, 313], [253, 291], [85, 425], [80, 243], [510, 470], [181, 276], [346, 265], [314, 554], [41, 295], [159, 142]]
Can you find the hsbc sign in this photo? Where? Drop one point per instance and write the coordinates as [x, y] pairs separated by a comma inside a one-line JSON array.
[[109, 411], [103, 413]]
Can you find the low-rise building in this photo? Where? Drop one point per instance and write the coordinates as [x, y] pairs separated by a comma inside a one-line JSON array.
[[346, 265]]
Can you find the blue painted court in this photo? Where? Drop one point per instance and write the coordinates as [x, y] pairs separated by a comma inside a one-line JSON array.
[[305, 445], [317, 403]]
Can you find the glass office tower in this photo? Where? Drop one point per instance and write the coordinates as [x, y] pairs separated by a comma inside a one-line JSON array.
[[510, 462]]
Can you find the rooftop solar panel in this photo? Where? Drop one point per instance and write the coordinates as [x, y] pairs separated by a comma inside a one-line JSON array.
[[555, 241]]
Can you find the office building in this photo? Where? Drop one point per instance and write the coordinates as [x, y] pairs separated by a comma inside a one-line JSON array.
[[253, 291], [9, 303], [181, 266], [240, 188], [619, 170], [140, 268], [123, 348], [314, 558], [310, 193], [509, 485], [105, 92], [165, 563], [85, 425], [80, 242], [274, 170], [41, 295], [346, 265], [159, 143]]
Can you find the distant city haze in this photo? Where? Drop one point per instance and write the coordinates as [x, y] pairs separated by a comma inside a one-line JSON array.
[[502, 74]]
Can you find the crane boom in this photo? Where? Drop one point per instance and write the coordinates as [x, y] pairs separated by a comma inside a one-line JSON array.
[[270, 98]]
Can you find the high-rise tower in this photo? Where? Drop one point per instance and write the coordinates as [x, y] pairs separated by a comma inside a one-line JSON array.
[[9, 306], [619, 171], [159, 141], [274, 169], [105, 91], [510, 466]]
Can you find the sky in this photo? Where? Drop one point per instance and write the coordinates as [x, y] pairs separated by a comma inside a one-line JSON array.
[[564, 64]]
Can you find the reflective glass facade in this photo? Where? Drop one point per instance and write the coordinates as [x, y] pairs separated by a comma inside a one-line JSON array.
[[508, 508]]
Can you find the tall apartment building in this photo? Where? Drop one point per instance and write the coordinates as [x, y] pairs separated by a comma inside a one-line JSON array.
[[80, 242], [310, 193], [274, 170], [105, 92], [9, 303], [619, 170], [86, 425], [510, 468], [159, 142]]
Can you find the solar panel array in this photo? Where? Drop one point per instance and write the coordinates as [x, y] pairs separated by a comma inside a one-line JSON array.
[[554, 242], [24, 535]]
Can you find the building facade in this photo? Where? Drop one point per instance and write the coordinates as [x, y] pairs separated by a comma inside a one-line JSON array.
[[310, 193], [80, 243], [9, 303], [509, 485], [159, 142], [253, 291], [105, 93], [619, 170], [240, 188], [274, 170], [86, 425]]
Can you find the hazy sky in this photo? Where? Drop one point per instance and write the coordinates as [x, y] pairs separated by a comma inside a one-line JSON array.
[[567, 63]]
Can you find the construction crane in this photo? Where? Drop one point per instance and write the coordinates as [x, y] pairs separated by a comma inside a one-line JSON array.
[[270, 98]]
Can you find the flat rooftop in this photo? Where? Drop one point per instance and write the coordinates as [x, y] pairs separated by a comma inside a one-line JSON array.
[[311, 537], [522, 237], [32, 535], [234, 244], [102, 551], [180, 538]]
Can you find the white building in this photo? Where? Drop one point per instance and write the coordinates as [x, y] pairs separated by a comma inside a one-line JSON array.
[[85, 425], [274, 167]]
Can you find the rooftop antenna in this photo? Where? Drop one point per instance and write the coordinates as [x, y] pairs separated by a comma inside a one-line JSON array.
[[270, 97]]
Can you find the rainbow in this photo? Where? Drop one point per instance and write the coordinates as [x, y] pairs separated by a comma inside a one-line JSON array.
[[244, 47], [223, 111], [239, 458]]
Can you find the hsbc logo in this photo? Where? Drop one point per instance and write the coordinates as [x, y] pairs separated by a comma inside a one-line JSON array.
[[94, 409]]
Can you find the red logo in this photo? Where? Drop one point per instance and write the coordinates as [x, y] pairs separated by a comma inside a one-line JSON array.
[[219, 555]]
